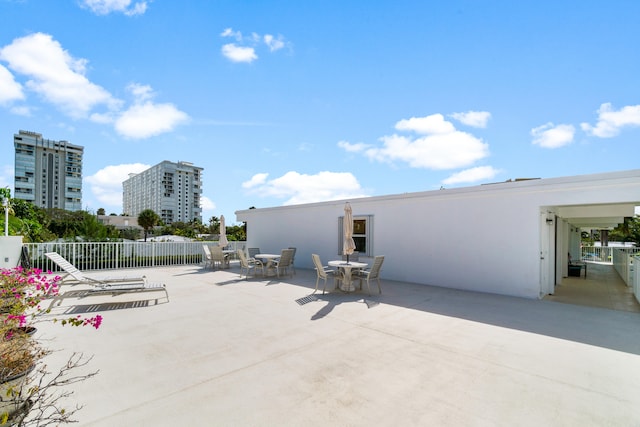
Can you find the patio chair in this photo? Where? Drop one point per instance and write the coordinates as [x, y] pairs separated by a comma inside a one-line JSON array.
[[284, 262], [252, 255], [247, 265], [218, 258], [73, 276], [207, 256], [105, 285], [322, 272], [373, 273], [293, 259]]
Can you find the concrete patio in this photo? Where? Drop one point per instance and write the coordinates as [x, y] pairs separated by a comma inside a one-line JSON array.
[[227, 351]]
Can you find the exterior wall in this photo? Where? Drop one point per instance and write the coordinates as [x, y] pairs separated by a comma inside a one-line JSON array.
[[47, 173], [10, 251], [485, 238], [171, 190]]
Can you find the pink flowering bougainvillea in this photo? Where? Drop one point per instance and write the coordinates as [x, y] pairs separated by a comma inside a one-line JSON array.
[[21, 292]]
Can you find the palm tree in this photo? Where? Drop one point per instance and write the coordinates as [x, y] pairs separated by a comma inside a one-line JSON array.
[[147, 220]]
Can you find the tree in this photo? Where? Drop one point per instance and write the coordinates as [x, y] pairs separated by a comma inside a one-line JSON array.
[[628, 231], [214, 225], [100, 211], [147, 220]]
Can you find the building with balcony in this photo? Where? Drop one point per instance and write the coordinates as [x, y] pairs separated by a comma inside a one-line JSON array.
[[171, 190], [48, 173]]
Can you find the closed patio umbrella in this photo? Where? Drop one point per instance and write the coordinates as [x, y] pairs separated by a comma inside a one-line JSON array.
[[222, 241], [348, 246]]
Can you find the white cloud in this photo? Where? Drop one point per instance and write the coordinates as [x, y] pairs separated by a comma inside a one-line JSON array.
[[228, 32], [140, 92], [208, 209], [472, 175], [442, 147], [477, 119], [299, 188], [239, 53], [353, 148], [433, 124], [55, 75], [59, 78], [273, 43], [106, 184], [244, 48], [256, 180], [105, 7], [207, 204], [11, 89], [611, 122], [553, 136], [145, 118]]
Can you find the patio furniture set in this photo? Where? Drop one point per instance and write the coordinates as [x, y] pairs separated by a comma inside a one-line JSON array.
[[268, 264], [344, 272]]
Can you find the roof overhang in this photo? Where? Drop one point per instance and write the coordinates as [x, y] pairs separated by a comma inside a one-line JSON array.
[[597, 216]]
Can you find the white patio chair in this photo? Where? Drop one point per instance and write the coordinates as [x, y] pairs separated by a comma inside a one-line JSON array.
[[207, 256], [218, 257], [293, 259], [247, 265], [373, 273], [323, 272], [284, 262]]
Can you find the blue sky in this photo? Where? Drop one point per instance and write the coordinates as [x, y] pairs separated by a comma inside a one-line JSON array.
[[285, 102]]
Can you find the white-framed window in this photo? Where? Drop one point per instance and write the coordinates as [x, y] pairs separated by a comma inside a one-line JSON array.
[[362, 234]]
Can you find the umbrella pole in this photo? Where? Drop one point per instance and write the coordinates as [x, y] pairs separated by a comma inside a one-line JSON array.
[[347, 258]]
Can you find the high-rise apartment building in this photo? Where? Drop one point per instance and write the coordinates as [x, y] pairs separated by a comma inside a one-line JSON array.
[[47, 173], [171, 190]]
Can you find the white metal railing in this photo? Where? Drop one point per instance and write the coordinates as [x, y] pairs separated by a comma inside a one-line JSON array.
[[622, 259], [636, 279], [120, 255], [596, 253]]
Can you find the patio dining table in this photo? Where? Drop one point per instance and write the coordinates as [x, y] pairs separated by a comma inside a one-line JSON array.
[[346, 284], [269, 257]]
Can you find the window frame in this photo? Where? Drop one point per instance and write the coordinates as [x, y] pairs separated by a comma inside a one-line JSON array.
[[368, 234]]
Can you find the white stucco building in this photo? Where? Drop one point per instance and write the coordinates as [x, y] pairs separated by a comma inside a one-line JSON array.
[[508, 238]]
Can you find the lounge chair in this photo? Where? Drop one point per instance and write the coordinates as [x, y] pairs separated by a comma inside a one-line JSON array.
[[100, 285], [73, 276]]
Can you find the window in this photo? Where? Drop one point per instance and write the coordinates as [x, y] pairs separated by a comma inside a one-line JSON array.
[[362, 234]]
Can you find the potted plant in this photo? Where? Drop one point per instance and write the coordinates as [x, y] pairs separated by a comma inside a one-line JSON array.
[[22, 385]]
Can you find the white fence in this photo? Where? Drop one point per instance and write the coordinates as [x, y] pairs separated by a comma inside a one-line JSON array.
[[636, 279], [120, 255], [623, 259]]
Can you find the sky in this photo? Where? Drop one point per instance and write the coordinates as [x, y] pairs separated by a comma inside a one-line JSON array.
[[288, 102]]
